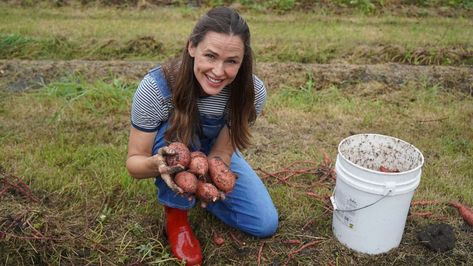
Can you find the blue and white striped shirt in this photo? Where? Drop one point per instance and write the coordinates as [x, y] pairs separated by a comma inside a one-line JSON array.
[[150, 108]]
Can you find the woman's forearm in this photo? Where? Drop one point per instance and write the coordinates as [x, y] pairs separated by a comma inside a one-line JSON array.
[[223, 146], [141, 166]]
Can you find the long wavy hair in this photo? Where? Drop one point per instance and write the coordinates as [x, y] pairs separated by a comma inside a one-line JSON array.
[[179, 72]]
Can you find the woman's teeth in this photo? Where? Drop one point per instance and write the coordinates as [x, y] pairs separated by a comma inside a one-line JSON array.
[[214, 80]]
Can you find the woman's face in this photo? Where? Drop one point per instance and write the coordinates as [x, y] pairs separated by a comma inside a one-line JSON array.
[[217, 59]]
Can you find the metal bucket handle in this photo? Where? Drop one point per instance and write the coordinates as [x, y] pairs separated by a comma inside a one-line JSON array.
[[389, 188]]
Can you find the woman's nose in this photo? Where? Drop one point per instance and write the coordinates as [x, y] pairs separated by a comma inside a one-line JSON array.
[[218, 69]]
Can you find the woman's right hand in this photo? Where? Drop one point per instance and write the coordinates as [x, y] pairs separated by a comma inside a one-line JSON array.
[[142, 164], [166, 171]]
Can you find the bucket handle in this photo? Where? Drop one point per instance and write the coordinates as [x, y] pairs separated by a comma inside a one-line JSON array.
[[389, 189]]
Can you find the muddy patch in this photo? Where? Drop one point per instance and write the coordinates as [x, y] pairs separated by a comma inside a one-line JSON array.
[[20, 75], [345, 75], [437, 237]]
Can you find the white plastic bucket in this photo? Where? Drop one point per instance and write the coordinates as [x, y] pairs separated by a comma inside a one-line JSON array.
[[370, 206]]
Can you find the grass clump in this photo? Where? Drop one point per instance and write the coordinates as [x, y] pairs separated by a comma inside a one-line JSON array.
[[26, 47], [12, 41]]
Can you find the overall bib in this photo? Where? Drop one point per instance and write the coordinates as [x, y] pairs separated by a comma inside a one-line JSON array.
[[248, 207]]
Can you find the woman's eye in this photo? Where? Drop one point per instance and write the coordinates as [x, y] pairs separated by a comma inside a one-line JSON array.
[[211, 56]]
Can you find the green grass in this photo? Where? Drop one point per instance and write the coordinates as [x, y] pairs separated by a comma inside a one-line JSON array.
[[68, 141], [61, 109], [156, 34]]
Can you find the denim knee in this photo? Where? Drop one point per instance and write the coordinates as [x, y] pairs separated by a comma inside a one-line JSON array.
[[268, 224]]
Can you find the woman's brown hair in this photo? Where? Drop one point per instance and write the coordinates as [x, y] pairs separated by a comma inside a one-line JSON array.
[[184, 119]]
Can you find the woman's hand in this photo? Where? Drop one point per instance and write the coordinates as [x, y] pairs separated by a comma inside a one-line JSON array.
[[142, 164], [165, 170]]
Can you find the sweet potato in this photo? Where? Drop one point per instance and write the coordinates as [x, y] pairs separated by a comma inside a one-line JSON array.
[[182, 156], [221, 175], [187, 181], [465, 212], [206, 192], [198, 165], [218, 239], [384, 169]]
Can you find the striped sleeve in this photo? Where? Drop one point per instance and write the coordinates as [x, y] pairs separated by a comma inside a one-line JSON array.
[[149, 109], [260, 94]]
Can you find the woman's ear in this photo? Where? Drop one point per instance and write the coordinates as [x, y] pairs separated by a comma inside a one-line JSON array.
[[191, 49]]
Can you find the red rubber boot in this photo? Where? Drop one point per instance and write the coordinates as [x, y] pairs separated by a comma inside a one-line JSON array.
[[184, 245]]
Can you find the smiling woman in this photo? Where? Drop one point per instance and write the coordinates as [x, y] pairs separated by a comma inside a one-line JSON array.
[[206, 99]]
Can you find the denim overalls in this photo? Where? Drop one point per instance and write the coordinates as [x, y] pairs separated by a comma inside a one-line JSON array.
[[248, 207]]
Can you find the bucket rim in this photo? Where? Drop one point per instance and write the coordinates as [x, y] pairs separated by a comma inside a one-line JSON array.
[[375, 171]]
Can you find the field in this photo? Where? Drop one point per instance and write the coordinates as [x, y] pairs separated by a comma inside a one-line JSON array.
[[67, 75]]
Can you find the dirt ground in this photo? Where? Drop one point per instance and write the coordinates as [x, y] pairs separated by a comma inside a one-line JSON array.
[[21, 75]]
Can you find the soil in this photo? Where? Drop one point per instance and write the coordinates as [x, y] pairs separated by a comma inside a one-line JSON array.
[[438, 237], [21, 75]]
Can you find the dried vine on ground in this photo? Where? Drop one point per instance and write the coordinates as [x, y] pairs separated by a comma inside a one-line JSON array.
[[15, 185], [324, 173]]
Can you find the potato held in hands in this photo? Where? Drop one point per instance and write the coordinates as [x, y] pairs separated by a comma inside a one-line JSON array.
[[182, 156], [221, 175], [199, 164], [187, 181], [198, 168], [207, 192]]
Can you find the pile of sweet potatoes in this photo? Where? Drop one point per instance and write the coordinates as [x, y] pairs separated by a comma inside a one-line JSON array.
[[209, 179]]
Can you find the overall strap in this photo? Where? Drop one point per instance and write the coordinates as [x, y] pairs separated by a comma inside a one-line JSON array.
[[158, 76]]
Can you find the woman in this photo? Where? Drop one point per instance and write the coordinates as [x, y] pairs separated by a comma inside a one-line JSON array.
[[207, 99]]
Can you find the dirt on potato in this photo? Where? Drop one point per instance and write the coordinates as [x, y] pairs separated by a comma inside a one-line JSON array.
[[221, 175], [206, 192], [182, 156], [187, 181], [199, 164]]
